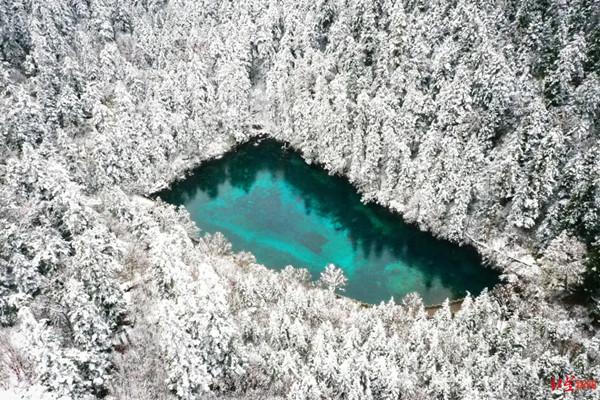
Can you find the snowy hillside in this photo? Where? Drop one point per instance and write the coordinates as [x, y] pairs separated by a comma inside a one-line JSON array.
[[477, 121]]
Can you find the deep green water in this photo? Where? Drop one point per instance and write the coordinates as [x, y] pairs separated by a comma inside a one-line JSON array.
[[268, 201]]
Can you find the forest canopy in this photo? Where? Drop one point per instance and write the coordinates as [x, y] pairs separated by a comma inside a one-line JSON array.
[[477, 121]]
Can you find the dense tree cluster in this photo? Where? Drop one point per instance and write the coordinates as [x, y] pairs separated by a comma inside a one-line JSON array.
[[476, 120]]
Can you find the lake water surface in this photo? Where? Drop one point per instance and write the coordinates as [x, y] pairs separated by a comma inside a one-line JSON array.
[[268, 201]]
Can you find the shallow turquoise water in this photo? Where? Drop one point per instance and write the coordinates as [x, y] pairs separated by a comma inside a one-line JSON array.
[[270, 202]]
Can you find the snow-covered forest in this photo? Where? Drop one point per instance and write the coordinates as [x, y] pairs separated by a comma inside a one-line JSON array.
[[477, 121]]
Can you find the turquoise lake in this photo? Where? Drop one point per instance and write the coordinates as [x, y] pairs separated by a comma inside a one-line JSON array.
[[268, 201]]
